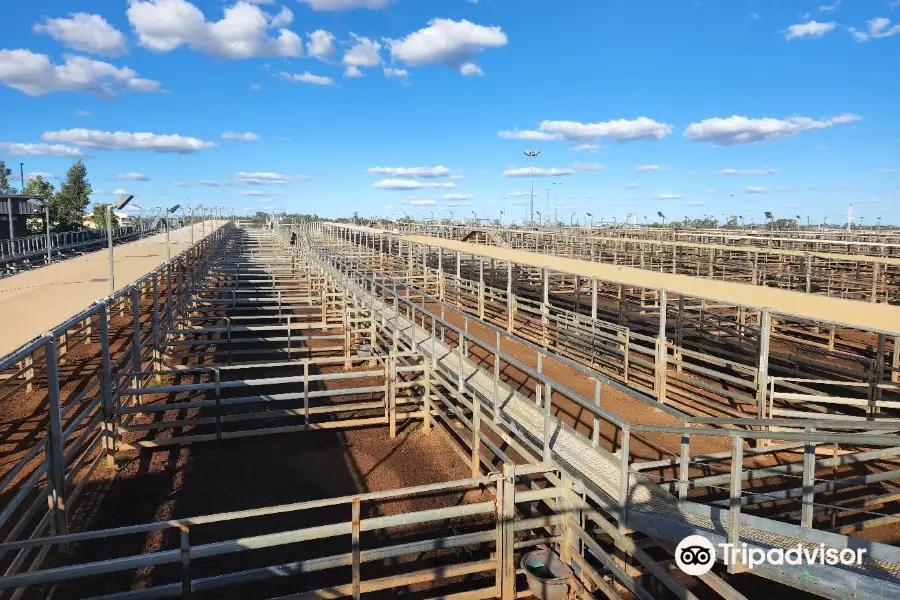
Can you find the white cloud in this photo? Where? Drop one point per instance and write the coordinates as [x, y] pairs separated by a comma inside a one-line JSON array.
[[586, 148], [42, 174], [261, 178], [648, 168], [86, 33], [621, 130], [811, 29], [259, 193], [410, 184], [825, 8], [282, 19], [35, 75], [695, 203], [762, 171], [471, 70], [743, 130], [119, 191], [755, 189], [582, 166], [255, 87], [537, 171], [121, 140], [81, 113], [242, 32], [878, 28], [448, 42], [519, 194], [248, 136], [668, 197], [320, 44], [458, 196], [415, 172], [528, 134], [364, 53], [396, 73], [336, 5], [41, 149], [307, 77], [352, 71], [133, 177], [419, 201]]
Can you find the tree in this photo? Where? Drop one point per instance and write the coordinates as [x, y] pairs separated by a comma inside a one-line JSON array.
[[5, 174], [73, 199], [46, 192], [100, 216]]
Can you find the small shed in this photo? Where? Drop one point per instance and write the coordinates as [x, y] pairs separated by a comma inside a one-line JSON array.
[[15, 209]]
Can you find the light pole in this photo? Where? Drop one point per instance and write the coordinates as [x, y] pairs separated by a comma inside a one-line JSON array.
[[124, 199], [22, 177], [47, 223], [168, 226], [591, 217], [663, 217], [556, 202], [532, 154]]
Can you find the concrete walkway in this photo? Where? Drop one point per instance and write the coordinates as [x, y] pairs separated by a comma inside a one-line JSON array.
[[36, 301]]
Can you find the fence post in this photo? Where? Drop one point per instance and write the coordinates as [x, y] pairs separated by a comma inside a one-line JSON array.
[[548, 407], [598, 398], [392, 395], [136, 362], [684, 462], [355, 518], [765, 331], [56, 468], [624, 479], [507, 518], [809, 472], [109, 410], [734, 497], [185, 546], [154, 326], [218, 382], [426, 395], [662, 352]]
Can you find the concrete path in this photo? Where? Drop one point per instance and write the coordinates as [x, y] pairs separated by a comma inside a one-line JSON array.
[[36, 301]]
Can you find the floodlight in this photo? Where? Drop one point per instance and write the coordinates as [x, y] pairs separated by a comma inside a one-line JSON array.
[[124, 199], [174, 208], [660, 213], [769, 215]]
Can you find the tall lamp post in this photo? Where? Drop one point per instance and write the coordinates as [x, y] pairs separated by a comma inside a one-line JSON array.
[[47, 223], [168, 223], [532, 154], [124, 199]]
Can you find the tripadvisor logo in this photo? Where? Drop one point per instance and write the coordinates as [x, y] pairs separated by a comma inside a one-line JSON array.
[[695, 555]]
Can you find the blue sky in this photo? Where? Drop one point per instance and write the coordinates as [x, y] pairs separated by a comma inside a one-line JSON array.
[[411, 106]]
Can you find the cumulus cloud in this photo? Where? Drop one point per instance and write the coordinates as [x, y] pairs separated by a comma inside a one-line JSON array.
[[755, 189], [449, 42], [877, 28], [396, 73], [668, 197], [86, 33], [202, 183], [537, 171], [620, 130], [35, 75], [648, 168], [121, 140], [81, 113], [248, 136], [337, 5], [320, 44], [458, 196], [307, 77], [41, 149], [437, 172], [419, 201], [133, 177], [471, 70], [261, 178], [363, 53], [42, 174], [762, 171], [352, 71], [811, 29], [410, 184], [583, 166], [737, 130], [259, 193], [586, 148], [244, 31], [528, 134]]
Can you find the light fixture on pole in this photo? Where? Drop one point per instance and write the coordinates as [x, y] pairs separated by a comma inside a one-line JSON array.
[[168, 249], [662, 216], [771, 219], [124, 199], [532, 154]]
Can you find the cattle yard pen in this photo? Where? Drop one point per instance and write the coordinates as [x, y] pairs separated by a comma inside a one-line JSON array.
[[856, 270], [601, 418], [30, 252]]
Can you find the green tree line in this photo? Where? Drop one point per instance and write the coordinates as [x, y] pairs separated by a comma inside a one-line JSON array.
[[67, 205]]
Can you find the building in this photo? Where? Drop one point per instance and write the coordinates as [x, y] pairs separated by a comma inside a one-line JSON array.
[[18, 209]]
